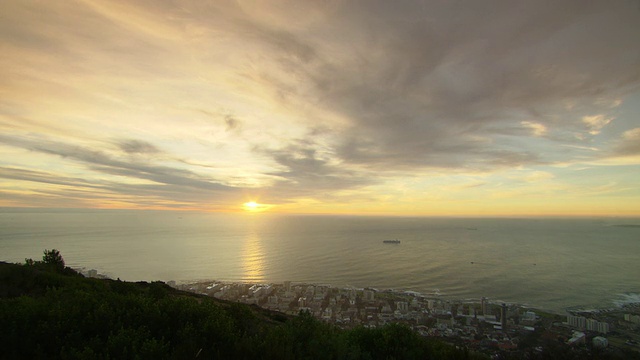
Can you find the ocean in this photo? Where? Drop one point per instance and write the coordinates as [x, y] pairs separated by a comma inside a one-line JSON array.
[[551, 264]]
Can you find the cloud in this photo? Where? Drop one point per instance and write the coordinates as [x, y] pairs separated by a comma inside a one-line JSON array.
[[537, 176], [148, 179], [42, 177], [136, 18], [595, 123], [232, 123], [308, 174], [428, 94], [137, 147], [304, 175], [629, 143], [536, 129]]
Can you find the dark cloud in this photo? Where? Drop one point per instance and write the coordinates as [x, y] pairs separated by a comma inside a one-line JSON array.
[[436, 85], [138, 147], [41, 177], [307, 174], [232, 123]]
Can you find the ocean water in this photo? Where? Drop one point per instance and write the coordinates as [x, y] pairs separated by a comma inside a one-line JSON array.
[[551, 264]]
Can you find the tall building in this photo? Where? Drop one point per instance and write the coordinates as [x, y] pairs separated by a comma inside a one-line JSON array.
[[503, 316], [484, 305]]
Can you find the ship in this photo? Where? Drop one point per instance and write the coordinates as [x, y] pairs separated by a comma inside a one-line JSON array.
[[396, 241]]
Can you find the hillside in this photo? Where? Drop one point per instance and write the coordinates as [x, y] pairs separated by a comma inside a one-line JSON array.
[[50, 311]]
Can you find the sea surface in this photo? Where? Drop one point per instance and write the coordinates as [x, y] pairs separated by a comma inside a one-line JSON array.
[[552, 264]]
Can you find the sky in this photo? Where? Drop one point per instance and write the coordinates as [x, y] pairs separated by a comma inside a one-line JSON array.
[[434, 108]]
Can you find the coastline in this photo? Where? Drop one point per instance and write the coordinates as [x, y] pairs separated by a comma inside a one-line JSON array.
[[459, 321]]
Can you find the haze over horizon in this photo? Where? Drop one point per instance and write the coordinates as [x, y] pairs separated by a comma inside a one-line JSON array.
[[334, 107]]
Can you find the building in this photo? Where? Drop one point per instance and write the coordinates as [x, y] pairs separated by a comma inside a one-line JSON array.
[[632, 318], [369, 295], [484, 306], [415, 304], [310, 291], [577, 338], [402, 306], [503, 316], [353, 294], [529, 316], [582, 323], [579, 322], [603, 327], [600, 342]]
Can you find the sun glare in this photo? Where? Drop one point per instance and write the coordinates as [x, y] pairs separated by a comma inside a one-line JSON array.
[[251, 206]]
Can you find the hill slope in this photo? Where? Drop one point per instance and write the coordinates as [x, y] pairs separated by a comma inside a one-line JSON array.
[[53, 312]]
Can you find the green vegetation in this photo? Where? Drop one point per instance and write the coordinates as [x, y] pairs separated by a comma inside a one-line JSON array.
[[49, 311]]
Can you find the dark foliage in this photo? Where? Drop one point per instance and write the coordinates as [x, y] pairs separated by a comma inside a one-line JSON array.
[[48, 311], [51, 260]]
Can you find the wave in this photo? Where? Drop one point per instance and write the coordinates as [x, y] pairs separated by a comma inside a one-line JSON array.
[[627, 299]]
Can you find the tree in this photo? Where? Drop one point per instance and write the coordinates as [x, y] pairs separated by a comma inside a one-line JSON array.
[[53, 258]]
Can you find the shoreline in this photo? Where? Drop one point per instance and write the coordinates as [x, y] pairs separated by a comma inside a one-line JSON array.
[[436, 295], [615, 304]]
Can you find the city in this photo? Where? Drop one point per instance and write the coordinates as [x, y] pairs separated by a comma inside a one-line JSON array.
[[481, 325]]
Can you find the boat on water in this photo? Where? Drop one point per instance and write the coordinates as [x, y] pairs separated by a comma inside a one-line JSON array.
[[396, 241]]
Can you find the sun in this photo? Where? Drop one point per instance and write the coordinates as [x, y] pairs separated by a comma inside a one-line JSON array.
[[256, 207], [252, 206]]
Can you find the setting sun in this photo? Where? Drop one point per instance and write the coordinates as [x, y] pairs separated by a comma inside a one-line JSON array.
[[251, 205]]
